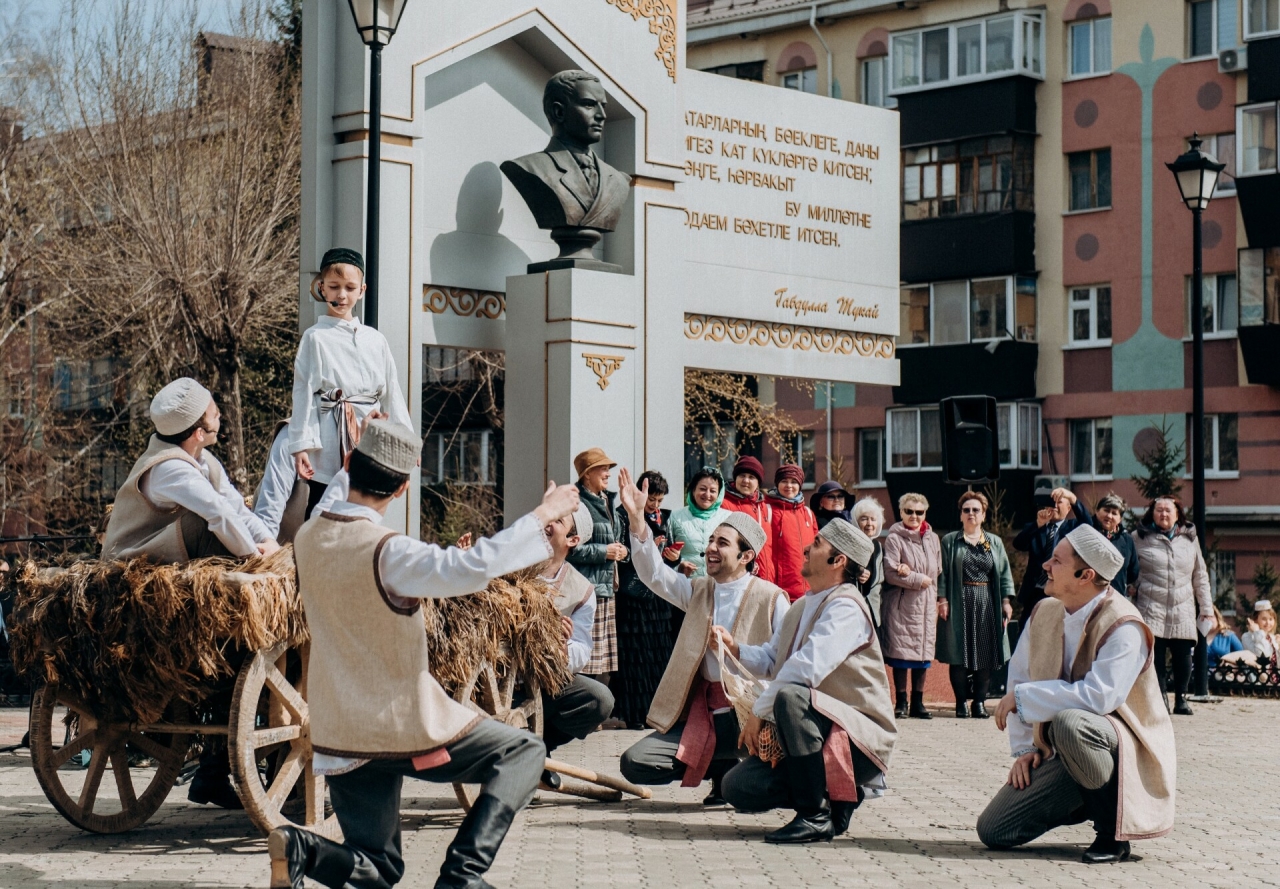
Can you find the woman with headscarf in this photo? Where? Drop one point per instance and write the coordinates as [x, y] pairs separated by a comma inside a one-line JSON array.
[[831, 501], [691, 526], [794, 527]]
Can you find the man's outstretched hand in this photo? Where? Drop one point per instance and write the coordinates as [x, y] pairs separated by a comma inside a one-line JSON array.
[[558, 502], [633, 500]]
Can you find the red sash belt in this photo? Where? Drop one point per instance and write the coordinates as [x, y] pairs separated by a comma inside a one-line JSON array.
[[837, 756], [698, 740]]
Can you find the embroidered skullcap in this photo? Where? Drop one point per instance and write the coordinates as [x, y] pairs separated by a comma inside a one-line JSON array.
[[344, 255], [1262, 605], [179, 405], [1096, 551], [391, 446], [849, 541], [748, 529], [583, 525]]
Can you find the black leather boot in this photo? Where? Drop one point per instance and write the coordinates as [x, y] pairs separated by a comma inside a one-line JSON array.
[[979, 710], [918, 710], [1101, 803], [212, 780], [842, 813], [297, 853], [716, 796], [476, 844], [807, 784], [900, 706]]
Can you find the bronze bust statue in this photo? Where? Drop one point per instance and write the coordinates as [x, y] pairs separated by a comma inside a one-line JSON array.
[[567, 186]]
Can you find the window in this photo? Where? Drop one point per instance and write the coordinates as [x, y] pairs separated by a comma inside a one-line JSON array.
[[1222, 579], [1018, 435], [1221, 444], [1089, 47], [1089, 173], [875, 81], [806, 80], [1091, 449], [461, 457], [83, 385], [1259, 286], [915, 438], [1256, 126], [1220, 302], [716, 444], [1201, 21], [1091, 315], [948, 312], [871, 456], [968, 50], [740, 71], [444, 365], [806, 456], [973, 176], [17, 395], [1223, 147], [1261, 17]]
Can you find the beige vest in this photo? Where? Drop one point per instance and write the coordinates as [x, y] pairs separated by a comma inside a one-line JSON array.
[[1147, 760], [369, 688], [574, 592], [137, 527], [855, 695], [752, 626]]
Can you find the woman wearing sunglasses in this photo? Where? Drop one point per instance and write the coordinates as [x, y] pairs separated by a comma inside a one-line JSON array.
[[912, 559], [975, 598]]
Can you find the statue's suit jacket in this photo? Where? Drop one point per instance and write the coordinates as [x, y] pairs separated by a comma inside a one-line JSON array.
[[552, 184]]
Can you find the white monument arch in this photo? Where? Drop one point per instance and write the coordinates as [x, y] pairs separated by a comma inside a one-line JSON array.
[[760, 236]]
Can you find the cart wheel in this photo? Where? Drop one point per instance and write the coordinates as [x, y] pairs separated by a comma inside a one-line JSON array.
[[57, 735], [489, 692], [270, 722]]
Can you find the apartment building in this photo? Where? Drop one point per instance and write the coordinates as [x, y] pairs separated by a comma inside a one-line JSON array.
[[1045, 252]]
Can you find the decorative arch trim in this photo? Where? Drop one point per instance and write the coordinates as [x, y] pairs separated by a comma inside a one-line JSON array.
[[795, 56], [874, 43], [1078, 10]]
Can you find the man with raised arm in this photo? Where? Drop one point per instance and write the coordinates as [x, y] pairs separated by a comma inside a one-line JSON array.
[[827, 698], [1087, 722], [377, 714], [697, 731]]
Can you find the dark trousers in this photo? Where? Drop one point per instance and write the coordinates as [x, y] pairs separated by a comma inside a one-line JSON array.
[[652, 759], [315, 493], [755, 786], [506, 761], [574, 713], [900, 680], [1200, 671], [199, 541], [1181, 651]]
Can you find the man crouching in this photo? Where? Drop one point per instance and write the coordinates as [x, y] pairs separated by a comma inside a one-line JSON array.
[[827, 698]]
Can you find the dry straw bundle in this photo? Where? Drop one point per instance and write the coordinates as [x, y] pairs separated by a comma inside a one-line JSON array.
[[130, 636]]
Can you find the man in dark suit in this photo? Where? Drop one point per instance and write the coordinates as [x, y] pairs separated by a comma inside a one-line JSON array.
[[1038, 539], [567, 185]]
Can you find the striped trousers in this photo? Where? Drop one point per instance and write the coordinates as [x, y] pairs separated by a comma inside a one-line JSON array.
[[1085, 745]]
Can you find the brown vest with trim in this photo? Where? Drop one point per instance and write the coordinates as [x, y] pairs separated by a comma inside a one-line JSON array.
[[1146, 759], [752, 626], [369, 688], [855, 694], [137, 527], [574, 592]]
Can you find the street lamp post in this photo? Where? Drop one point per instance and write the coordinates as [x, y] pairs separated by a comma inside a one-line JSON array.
[[376, 20]]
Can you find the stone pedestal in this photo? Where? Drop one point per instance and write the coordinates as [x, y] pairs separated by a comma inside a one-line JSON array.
[[573, 377]]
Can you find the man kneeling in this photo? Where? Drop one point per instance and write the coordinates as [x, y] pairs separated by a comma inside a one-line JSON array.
[[827, 698], [1089, 728]]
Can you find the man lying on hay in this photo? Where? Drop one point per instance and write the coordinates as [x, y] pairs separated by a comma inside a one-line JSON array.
[[377, 713], [177, 505]]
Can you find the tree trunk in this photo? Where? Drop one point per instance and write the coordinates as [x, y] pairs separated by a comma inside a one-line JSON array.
[[231, 437]]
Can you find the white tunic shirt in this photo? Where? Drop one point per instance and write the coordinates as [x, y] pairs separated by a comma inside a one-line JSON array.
[[344, 355], [584, 618], [669, 584], [1105, 687], [837, 633], [176, 483], [278, 479], [411, 569]]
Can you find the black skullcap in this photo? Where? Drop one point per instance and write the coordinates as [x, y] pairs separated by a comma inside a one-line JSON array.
[[344, 255]]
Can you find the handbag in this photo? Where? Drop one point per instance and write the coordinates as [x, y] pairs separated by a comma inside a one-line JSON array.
[[743, 690]]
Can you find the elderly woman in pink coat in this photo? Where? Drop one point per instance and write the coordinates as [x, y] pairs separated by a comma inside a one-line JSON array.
[[909, 600]]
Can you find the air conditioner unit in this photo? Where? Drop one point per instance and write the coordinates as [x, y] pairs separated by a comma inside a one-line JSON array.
[[1232, 60]]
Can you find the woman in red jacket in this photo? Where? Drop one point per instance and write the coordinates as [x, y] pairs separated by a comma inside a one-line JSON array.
[[744, 495], [794, 527]]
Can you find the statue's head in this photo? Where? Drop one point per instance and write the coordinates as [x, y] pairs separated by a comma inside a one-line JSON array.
[[574, 102]]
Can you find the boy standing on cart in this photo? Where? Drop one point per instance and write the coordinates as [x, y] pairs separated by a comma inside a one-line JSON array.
[[377, 714]]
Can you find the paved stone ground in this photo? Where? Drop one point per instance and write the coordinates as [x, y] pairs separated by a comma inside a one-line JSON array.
[[921, 835]]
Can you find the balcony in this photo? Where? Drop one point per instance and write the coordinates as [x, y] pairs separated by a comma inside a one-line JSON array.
[[1258, 197], [984, 108], [932, 373], [1264, 70], [1259, 344], [973, 246]]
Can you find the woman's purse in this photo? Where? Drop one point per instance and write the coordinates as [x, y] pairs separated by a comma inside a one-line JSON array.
[[743, 690]]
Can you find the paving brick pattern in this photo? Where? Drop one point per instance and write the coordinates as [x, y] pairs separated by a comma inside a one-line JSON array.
[[920, 835]]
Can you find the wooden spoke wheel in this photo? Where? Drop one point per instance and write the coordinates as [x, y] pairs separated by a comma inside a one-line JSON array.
[[62, 726], [270, 744], [495, 694]]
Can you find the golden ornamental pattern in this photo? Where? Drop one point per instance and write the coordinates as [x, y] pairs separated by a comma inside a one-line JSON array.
[[743, 332], [467, 303], [662, 22], [603, 367]]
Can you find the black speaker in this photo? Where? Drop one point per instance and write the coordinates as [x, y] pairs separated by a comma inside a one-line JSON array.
[[970, 439]]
